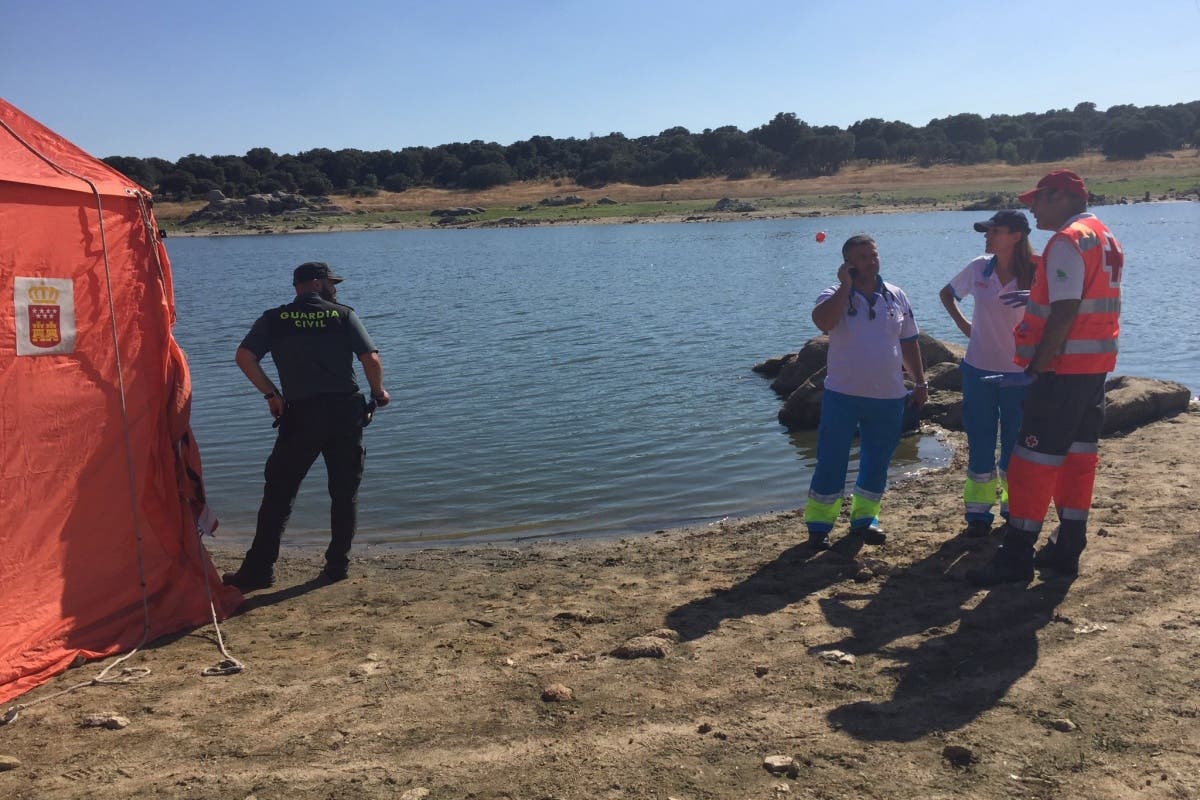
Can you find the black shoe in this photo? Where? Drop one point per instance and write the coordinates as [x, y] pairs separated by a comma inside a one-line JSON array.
[[870, 534], [818, 541], [977, 529], [245, 581], [848, 547], [333, 575], [1061, 554], [1013, 563]]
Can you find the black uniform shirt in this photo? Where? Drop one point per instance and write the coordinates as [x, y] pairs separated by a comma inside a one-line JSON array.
[[313, 343]]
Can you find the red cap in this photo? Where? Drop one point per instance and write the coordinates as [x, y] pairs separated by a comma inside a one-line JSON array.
[[1061, 179]]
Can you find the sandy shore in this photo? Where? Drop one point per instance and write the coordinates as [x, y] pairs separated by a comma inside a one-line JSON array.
[[425, 674]]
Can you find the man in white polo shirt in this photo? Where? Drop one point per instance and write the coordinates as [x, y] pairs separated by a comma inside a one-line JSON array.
[[872, 335]]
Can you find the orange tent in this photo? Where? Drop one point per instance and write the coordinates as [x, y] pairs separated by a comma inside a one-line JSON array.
[[101, 497]]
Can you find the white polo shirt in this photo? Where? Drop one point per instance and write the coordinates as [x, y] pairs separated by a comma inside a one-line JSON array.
[[864, 353], [991, 346], [1064, 265]]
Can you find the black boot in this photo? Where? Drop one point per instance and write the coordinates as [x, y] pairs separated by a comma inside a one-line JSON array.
[[870, 533], [247, 579], [977, 529], [1012, 563], [1061, 553]]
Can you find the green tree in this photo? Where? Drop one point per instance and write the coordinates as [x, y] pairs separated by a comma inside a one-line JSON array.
[[1060, 144], [1135, 138], [202, 167], [871, 149], [139, 170], [485, 176], [177, 185], [261, 159], [782, 133]]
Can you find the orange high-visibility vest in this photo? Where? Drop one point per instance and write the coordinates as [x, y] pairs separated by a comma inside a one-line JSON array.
[[1091, 345]]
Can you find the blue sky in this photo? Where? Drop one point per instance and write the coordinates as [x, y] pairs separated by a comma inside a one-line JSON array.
[[218, 77]]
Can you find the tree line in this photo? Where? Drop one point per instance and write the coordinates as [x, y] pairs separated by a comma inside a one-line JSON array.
[[785, 147]]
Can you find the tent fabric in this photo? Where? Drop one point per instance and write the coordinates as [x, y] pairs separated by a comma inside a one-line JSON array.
[[22, 138], [100, 478]]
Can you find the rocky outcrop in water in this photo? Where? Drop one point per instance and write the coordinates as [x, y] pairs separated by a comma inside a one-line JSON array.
[[800, 377]]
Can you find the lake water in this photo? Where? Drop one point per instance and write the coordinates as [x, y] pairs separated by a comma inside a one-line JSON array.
[[596, 379]]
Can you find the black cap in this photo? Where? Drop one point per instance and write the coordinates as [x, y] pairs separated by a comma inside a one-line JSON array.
[[1013, 220], [314, 270]]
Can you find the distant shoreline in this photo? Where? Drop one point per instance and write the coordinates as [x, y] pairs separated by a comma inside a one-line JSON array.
[[343, 227], [856, 190]]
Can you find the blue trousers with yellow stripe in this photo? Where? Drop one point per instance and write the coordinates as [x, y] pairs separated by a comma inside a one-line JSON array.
[[878, 425], [986, 408]]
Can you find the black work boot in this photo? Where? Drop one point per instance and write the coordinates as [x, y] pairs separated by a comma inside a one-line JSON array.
[[977, 529], [1061, 553], [247, 580], [333, 574], [870, 533], [1012, 563]]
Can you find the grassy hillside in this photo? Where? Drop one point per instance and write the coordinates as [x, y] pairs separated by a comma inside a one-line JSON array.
[[859, 188]]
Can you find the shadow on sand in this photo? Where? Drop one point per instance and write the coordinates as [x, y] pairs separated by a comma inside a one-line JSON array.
[[966, 661], [949, 678]]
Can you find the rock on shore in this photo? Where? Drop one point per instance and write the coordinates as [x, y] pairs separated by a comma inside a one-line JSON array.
[[228, 210], [800, 379]]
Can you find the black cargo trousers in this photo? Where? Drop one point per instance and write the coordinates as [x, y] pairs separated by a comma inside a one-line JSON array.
[[326, 425]]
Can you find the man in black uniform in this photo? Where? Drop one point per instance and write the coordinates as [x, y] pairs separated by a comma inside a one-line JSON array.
[[319, 411]]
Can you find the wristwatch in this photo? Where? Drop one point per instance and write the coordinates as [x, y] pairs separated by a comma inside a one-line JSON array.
[[269, 395]]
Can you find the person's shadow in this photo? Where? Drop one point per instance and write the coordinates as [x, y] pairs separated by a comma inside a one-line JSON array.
[[281, 595], [920, 597], [796, 573], [948, 679]]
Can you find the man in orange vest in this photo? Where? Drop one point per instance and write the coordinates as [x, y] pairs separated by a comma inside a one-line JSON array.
[[1067, 342]]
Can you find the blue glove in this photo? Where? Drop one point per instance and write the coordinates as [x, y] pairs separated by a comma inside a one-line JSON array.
[[1015, 299], [1007, 380]]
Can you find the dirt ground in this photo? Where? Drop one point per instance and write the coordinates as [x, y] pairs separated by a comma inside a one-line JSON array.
[[423, 675]]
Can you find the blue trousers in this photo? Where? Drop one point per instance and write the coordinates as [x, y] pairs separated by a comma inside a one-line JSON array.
[[985, 408], [878, 425]]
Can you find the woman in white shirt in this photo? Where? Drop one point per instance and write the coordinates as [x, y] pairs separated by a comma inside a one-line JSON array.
[[996, 281]]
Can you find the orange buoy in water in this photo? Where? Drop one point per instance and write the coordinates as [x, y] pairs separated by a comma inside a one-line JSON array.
[[820, 236]]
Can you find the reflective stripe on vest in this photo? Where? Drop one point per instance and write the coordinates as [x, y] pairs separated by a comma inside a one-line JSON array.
[[1091, 345]]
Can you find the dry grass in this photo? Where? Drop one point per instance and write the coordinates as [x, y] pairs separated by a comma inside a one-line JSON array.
[[858, 178]]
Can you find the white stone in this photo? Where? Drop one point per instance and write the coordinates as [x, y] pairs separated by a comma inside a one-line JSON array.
[[779, 764]]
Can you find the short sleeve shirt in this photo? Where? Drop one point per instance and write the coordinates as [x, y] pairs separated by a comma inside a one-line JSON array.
[[1064, 266], [313, 343], [864, 352], [992, 346]]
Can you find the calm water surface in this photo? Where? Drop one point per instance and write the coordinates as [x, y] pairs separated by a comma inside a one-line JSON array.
[[595, 379]]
